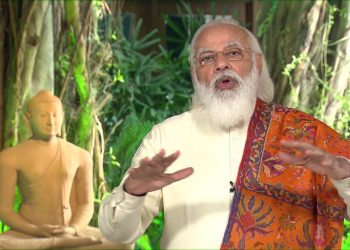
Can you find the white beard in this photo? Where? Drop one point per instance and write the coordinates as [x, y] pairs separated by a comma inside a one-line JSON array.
[[232, 107]]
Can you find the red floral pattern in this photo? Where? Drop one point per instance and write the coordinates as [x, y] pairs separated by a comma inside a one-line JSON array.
[[279, 206]]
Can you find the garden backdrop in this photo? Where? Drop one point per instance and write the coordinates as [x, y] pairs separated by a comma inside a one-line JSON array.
[[118, 77]]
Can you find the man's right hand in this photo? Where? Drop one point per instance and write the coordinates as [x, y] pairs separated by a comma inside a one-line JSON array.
[[151, 176]]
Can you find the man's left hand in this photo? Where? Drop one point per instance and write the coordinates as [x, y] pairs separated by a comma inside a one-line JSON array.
[[316, 160]]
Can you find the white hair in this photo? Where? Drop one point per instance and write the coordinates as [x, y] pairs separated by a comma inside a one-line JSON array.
[[225, 107], [265, 85]]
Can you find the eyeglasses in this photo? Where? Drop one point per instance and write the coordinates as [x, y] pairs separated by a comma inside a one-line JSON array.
[[231, 53]]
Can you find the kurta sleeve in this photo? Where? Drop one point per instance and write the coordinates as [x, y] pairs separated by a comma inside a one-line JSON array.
[[124, 217]]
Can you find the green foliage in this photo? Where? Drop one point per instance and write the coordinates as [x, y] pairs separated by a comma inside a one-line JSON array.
[[267, 22], [321, 76], [137, 73], [133, 130], [346, 235], [151, 83], [342, 123], [152, 236]]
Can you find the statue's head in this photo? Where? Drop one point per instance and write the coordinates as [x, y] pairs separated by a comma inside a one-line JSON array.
[[45, 115]]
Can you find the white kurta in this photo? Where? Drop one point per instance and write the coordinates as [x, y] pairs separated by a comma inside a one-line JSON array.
[[196, 209]]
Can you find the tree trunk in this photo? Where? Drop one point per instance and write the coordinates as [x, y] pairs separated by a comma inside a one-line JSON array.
[[304, 82], [26, 40], [43, 71], [282, 25], [12, 81], [88, 134], [84, 124], [37, 67], [3, 59], [341, 73]]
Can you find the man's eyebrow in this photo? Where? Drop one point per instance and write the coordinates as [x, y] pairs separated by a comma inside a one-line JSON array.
[[235, 44], [204, 50], [230, 44]]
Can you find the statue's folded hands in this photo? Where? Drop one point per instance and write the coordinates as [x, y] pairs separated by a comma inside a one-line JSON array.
[[54, 178]]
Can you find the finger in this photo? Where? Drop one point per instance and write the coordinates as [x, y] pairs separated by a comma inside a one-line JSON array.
[[148, 166], [167, 161], [316, 153], [181, 174], [301, 146], [143, 172], [319, 157], [158, 156], [328, 160], [163, 163], [144, 161], [291, 159], [159, 162]]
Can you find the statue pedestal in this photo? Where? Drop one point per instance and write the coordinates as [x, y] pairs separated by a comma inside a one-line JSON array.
[[17, 240]]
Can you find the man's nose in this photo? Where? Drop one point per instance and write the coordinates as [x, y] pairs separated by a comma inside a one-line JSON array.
[[221, 63]]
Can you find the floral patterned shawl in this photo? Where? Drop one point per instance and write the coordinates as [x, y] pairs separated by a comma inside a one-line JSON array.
[[279, 206]]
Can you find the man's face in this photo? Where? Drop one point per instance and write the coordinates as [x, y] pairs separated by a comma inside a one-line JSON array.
[[226, 75], [46, 120], [226, 39]]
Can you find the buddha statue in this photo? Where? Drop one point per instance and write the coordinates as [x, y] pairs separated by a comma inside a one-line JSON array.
[[54, 178]]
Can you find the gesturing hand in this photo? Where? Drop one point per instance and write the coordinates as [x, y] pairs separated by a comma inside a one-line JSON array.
[[316, 160], [150, 175]]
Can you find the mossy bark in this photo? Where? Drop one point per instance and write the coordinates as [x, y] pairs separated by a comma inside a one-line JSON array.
[[341, 74], [84, 121], [86, 128]]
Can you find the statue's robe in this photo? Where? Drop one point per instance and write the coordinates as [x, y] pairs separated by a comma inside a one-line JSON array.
[[49, 197]]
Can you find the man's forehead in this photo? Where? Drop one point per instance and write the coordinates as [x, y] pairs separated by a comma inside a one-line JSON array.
[[227, 45], [225, 34]]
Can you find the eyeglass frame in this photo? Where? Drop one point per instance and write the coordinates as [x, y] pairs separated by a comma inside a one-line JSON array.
[[215, 53]]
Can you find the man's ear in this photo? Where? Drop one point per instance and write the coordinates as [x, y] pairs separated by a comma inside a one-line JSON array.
[[259, 61]]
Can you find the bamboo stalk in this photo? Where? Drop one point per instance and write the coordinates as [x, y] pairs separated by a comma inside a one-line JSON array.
[[3, 21]]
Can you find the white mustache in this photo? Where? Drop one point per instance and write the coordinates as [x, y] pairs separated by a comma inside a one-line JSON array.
[[227, 73]]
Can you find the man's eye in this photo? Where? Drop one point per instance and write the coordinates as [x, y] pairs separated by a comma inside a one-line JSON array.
[[234, 53], [204, 59]]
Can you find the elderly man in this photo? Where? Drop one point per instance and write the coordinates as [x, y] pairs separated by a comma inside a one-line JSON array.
[[244, 173]]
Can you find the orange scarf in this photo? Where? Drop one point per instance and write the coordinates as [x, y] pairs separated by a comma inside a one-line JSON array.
[[279, 206]]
